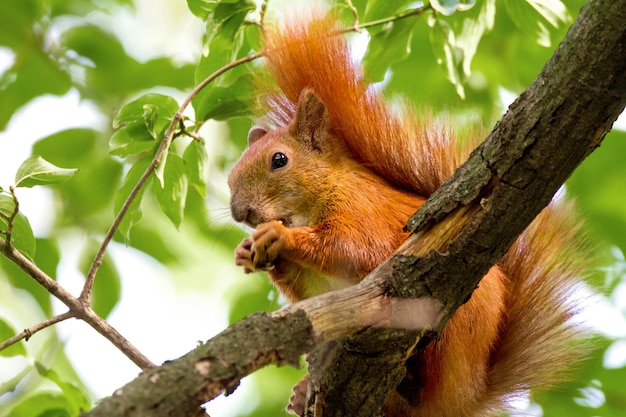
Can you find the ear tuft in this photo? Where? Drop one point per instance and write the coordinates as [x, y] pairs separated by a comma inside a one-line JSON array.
[[255, 133], [311, 120]]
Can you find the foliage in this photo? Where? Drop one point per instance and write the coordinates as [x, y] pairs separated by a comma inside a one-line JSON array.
[[460, 56]]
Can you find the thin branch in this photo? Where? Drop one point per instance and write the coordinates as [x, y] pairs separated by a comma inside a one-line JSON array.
[[182, 130], [37, 274], [77, 308], [355, 12], [112, 335], [408, 13], [85, 295], [27, 333]]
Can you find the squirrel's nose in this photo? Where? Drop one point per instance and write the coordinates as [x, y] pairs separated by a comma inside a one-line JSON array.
[[245, 214]]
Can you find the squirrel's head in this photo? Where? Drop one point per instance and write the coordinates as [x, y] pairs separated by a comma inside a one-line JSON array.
[[284, 171]]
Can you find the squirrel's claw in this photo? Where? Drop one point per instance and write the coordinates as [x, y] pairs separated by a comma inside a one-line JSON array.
[[268, 241], [243, 256]]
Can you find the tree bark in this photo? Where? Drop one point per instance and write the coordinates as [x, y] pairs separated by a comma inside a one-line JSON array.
[[505, 183]]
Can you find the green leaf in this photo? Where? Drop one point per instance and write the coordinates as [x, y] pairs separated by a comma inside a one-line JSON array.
[[455, 46], [76, 399], [254, 37], [107, 287], [132, 139], [22, 237], [140, 122], [473, 28], [202, 8], [378, 9], [70, 147], [37, 171], [155, 109], [449, 7], [17, 20], [111, 74], [223, 103], [196, 164], [172, 196], [225, 21], [6, 332], [535, 17], [94, 185], [33, 74], [133, 215], [391, 44], [45, 404], [224, 37], [448, 55]]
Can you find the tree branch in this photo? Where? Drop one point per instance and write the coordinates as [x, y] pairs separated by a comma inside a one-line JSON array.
[[545, 134], [77, 308], [27, 333]]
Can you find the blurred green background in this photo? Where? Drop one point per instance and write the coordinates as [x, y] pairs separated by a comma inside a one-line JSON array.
[[67, 67]]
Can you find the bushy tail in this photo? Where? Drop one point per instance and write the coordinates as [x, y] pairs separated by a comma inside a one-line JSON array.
[[311, 52], [538, 339]]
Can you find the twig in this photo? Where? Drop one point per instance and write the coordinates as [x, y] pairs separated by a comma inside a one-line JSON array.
[[184, 131], [411, 12], [27, 333], [37, 274], [77, 307], [355, 12]]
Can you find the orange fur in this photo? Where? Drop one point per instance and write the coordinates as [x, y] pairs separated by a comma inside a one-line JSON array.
[[355, 172]]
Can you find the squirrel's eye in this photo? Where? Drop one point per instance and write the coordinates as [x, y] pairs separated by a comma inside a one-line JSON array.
[[279, 160]]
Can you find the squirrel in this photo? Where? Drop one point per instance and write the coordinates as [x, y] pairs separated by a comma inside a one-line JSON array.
[[328, 182]]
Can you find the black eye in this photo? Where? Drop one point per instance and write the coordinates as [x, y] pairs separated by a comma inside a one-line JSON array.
[[279, 160]]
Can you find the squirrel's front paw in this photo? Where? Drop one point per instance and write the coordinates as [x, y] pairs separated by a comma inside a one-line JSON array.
[[268, 241], [243, 255], [297, 402]]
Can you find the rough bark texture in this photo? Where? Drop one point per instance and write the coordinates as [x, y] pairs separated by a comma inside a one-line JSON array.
[[179, 387], [545, 134]]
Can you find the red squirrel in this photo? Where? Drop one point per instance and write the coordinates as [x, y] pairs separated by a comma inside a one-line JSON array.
[[328, 184]]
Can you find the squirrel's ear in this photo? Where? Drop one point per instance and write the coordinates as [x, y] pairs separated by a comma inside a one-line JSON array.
[[255, 133], [311, 119]]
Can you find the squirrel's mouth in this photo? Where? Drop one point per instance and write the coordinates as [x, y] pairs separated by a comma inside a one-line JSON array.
[[253, 224], [285, 221]]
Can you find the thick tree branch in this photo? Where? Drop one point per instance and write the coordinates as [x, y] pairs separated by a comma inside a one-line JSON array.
[[546, 133]]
